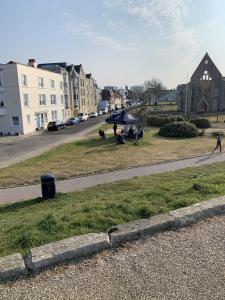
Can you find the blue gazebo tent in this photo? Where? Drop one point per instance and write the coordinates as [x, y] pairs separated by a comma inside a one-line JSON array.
[[123, 118]]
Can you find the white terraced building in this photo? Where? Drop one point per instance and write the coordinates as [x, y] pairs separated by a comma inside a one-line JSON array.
[[30, 97]]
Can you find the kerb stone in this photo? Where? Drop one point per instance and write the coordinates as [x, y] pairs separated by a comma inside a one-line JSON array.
[[72, 248], [12, 267], [194, 213], [140, 228]]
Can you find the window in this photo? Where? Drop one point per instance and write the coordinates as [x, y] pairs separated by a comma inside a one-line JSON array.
[[54, 115], [53, 99], [52, 84], [28, 119], [62, 100], [206, 76], [40, 82], [24, 80], [42, 99], [1, 78], [25, 99], [61, 85], [15, 121], [206, 61], [2, 100]]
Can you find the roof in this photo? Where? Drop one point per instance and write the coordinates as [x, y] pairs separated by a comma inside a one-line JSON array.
[[206, 64], [77, 68], [123, 118]]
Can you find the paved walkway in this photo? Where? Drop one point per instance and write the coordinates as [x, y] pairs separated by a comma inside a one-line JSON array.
[[187, 264], [16, 149], [77, 184]]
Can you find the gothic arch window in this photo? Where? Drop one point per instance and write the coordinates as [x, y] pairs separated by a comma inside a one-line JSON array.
[[206, 76]]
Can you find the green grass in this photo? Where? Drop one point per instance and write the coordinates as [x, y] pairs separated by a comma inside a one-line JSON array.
[[96, 156], [35, 222]]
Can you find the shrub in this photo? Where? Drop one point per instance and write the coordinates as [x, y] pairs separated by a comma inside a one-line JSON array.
[[201, 122], [202, 133], [160, 120], [180, 119], [179, 130], [215, 133]]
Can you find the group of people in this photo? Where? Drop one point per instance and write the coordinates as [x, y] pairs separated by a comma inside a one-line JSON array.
[[132, 133]]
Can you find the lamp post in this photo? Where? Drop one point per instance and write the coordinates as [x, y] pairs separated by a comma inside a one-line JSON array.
[[186, 98]]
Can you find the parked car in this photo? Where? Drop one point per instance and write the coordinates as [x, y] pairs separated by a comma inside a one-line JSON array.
[[72, 121], [55, 125], [100, 113], [82, 117], [105, 110], [93, 114]]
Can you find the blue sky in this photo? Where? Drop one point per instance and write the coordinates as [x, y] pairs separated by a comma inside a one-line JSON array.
[[120, 41]]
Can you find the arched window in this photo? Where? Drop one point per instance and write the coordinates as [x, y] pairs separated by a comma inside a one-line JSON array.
[[206, 76]]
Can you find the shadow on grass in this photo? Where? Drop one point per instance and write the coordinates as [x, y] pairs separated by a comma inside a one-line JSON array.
[[5, 208], [156, 135], [96, 142]]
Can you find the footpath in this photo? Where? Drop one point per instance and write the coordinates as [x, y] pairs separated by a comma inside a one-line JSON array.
[[16, 194]]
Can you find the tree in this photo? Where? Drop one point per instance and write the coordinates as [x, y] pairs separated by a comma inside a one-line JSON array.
[[136, 92], [152, 90]]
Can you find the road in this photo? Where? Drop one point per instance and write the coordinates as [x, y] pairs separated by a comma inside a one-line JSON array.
[[15, 149], [184, 264]]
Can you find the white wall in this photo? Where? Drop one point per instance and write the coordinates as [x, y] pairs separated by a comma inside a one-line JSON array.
[[14, 94]]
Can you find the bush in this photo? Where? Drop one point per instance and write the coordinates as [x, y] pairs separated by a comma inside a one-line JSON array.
[[215, 133], [179, 130], [180, 119], [160, 120], [202, 133], [201, 122]]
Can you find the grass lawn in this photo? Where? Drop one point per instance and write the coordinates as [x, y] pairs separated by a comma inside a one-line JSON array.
[[94, 156], [35, 222]]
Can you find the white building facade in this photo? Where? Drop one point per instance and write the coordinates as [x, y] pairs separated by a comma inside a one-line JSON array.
[[30, 97]]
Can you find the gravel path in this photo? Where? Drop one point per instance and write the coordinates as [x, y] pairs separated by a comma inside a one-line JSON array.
[[185, 264]]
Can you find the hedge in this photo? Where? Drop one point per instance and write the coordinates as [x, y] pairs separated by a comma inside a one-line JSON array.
[[179, 130], [201, 122]]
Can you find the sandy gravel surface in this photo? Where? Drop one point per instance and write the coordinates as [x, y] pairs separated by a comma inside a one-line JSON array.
[[186, 264]]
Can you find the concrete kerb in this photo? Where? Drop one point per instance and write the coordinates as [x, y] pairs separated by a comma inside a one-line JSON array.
[[12, 267], [69, 249], [80, 247]]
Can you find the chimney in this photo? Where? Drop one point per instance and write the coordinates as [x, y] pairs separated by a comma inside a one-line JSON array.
[[32, 63]]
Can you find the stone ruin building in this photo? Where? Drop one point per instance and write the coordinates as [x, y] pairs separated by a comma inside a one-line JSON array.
[[205, 93]]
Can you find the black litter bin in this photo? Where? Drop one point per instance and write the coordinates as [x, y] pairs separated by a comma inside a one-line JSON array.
[[48, 186]]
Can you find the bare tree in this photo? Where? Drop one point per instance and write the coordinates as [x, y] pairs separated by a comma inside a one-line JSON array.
[[152, 90], [136, 92]]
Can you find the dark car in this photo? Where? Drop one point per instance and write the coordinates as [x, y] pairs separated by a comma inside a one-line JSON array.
[[72, 121], [55, 125]]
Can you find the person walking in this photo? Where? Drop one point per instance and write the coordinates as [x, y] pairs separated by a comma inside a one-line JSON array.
[[114, 129], [218, 143]]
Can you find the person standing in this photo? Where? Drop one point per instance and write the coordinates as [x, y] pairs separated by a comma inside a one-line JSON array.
[[218, 143], [114, 129]]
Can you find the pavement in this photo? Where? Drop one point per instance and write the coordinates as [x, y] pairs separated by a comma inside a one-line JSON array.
[[77, 184], [16, 149], [184, 264]]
